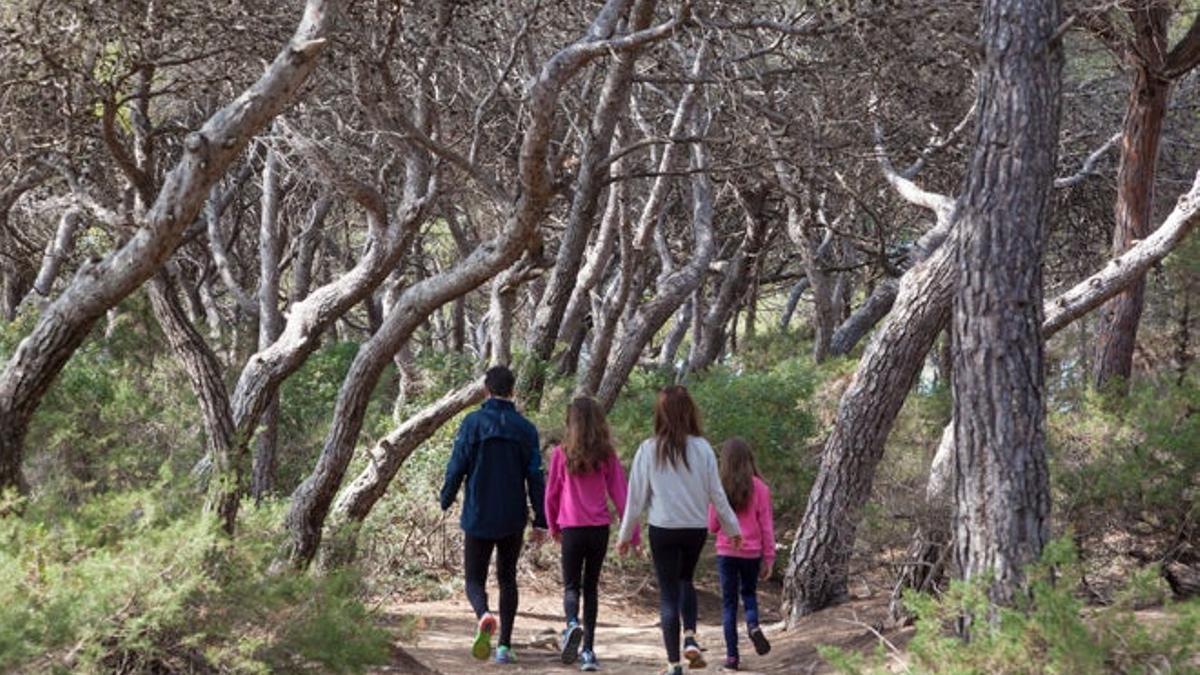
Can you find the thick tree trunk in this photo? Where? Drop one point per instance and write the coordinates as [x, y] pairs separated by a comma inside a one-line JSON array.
[[1144, 115], [270, 321], [208, 152], [593, 174], [1002, 486], [816, 575]]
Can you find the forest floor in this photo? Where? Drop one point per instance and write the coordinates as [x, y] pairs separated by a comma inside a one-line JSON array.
[[435, 637]]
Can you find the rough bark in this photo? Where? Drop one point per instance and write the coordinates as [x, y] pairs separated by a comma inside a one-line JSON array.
[[312, 498], [816, 575], [204, 371], [100, 285], [1141, 135], [1002, 485], [1086, 296]]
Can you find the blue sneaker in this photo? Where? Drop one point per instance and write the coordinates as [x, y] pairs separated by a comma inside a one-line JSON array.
[[571, 638], [588, 662], [505, 656]]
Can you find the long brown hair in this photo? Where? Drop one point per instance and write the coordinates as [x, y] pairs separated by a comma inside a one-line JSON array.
[[675, 418], [737, 472], [587, 443]]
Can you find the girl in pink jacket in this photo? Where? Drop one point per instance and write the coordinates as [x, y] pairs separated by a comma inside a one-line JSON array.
[[741, 568], [585, 473]]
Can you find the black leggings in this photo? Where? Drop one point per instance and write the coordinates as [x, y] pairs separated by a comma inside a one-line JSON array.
[[477, 555], [583, 550], [676, 552]]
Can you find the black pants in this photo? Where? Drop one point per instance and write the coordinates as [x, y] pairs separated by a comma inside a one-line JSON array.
[[676, 553], [583, 550], [477, 555]]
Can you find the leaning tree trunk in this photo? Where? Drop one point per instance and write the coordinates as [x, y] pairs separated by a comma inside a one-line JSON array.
[[207, 153], [312, 498], [1142, 133], [593, 174], [57, 251], [204, 370], [817, 571], [1002, 488], [340, 541], [673, 290], [734, 283]]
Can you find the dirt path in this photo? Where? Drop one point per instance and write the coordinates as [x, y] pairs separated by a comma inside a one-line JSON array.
[[628, 638]]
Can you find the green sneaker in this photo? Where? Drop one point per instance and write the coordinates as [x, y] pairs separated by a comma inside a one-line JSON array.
[[482, 646]]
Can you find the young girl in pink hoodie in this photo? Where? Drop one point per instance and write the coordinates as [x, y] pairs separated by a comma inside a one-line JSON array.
[[741, 568], [585, 473]]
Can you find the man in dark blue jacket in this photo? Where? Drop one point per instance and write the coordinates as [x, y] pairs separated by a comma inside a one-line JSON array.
[[496, 452]]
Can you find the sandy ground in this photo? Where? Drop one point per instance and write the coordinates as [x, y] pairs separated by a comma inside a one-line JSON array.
[[628, 639]]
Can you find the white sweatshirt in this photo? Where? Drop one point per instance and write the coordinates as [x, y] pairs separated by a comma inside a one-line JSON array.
[[676, 497]]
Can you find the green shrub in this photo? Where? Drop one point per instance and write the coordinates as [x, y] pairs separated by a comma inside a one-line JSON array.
[[1049, 631], [132, 582], [768, 408]]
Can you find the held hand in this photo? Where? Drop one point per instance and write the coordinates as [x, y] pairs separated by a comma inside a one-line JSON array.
[[537, 537], [625, 547], [736, 541]]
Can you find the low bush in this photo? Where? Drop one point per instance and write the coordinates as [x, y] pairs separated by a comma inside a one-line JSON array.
[[132, 582], [1049, 631]]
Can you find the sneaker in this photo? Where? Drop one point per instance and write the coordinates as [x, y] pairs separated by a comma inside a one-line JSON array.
[[504, 655], [588, 662], [760, 641], [673, 670], [693, 654], [483, 637], [731, 663], [571, 638]]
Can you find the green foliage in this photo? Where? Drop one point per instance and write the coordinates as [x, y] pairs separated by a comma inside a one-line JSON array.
[[133, 582], [1049, 631], [768, 408], [1137, 459]]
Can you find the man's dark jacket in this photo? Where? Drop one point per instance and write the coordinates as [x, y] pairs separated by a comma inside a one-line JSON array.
[[496, 452]]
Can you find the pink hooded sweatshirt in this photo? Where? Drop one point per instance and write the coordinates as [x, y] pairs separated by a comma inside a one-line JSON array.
[[582, 500], [757, 521]]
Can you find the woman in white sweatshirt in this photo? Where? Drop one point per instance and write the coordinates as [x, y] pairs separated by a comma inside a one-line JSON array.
[[673, 479]]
